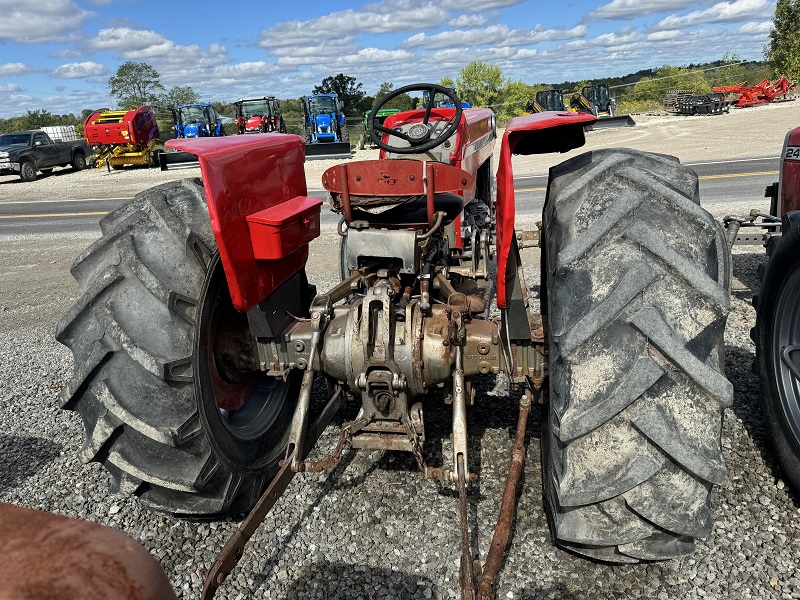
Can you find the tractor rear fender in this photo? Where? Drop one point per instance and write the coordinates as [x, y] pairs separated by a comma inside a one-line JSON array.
[[538, 133], [789, 179], [261, 217]]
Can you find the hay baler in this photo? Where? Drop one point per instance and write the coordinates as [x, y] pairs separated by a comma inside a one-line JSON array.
[[198, 340], [120, 137]]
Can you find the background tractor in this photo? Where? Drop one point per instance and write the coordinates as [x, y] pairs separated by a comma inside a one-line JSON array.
[[197, 340], [324, 127], [196, 120], [380, 116], [259, 115], [597, 100], [550, 100]]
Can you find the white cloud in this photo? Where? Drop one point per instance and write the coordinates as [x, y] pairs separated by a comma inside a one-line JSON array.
[[388, 16], [177, 64], [467, 21], [632, 9], [244, 70], [737, 11], [495, 35], [42, 21], [10, 88], [478, 5], [11, 69], [125, 39], [756, 28], [80, 70], [376, 56]]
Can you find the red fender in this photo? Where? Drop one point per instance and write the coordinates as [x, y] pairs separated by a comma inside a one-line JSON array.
[[539, 133], [243, 176], [789, 182]]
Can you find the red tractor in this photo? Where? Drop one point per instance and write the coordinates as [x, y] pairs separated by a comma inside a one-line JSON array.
[[197, 339], [777, 331], [259, 115]]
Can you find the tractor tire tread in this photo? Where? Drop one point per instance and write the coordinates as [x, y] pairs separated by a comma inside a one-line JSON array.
[[133, 383], [638, 279]]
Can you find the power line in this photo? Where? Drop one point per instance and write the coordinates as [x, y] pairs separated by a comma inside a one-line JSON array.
[[611, 87]]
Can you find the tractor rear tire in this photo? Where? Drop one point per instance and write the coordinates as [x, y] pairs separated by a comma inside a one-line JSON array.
[[345, 133], [163, 410], [777, 339], [637, 289]]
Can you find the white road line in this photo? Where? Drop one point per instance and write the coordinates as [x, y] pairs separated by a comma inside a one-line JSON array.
[[60, 201]]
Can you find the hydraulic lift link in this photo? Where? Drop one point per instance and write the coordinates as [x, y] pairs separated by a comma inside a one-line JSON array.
[[233, 550]]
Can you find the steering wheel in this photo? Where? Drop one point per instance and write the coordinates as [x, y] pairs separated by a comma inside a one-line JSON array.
[[419, 135]]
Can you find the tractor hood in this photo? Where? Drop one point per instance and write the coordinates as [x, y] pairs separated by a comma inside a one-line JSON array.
[[324, 123], [193, 130], [254, 122]]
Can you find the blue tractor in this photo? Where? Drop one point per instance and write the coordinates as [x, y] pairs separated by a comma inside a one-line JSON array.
[[442, 101], [324, 127], [191, 121], [196, 120]]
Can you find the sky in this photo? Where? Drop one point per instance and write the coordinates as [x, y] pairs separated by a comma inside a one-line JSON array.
[[57, 55]]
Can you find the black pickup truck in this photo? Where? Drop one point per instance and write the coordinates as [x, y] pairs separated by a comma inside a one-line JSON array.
[[28, 152]]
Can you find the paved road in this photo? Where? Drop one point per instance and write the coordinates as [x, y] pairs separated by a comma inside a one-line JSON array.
[[720, 182]]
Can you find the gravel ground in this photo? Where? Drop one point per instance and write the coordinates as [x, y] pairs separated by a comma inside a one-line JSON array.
[[373, 528]]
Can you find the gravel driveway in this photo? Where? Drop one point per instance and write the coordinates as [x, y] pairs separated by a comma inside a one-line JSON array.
[[373, 528]]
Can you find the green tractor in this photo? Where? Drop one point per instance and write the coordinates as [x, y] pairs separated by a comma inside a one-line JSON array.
[[380, 116]]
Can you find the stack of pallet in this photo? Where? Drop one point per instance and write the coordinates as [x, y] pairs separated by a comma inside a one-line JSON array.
[[673, 99]]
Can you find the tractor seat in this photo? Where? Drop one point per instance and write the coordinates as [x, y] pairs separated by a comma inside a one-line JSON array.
[[409, 209]]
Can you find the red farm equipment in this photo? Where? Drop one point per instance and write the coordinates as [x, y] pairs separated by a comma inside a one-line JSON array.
[[777, 331], [197, 339], [761, 93], [121, 137], [259, 115]]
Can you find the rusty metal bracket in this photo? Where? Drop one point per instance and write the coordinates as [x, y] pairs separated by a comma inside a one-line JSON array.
[[233, 550], [508, 506], [466, 575]]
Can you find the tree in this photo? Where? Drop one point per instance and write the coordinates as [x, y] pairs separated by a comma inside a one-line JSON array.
[[383, 91], [479, 83], [346, 88], [401, 102], [177, 96], [135, 84], [447, 82], [783, 51], [36, 119], [513, 98], [669, 78]]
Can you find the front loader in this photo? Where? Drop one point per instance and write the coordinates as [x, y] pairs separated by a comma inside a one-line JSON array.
[[197, 339], [597, 100]]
